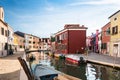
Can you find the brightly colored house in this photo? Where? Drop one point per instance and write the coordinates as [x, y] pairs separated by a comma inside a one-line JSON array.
[[105, 39], [72, 39], [96, 42], [115, 34]]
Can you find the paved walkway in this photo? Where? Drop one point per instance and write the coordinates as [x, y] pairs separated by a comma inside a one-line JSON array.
[[10, 67], [101, 59]]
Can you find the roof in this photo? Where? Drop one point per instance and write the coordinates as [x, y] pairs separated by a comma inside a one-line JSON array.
[[20, 33], [74, 26], [106, 25], [114, 13], [4, 22]]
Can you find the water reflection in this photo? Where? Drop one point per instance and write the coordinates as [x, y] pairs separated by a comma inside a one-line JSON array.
[[87, 72], [84, 72]]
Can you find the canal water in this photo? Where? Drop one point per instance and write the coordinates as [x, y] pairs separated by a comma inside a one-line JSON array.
[[88, 71]]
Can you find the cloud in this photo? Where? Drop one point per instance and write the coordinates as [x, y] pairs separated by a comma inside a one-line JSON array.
[[50, 8], [51, 18], [97, 2]]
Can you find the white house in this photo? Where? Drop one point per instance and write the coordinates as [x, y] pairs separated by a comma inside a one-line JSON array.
[[3, 34]]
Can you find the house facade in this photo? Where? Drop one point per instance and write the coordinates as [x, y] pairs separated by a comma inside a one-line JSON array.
[[20, 40], [105, 46], [99, 42], [115, 34], [96, 42], [3, 38], [10, 39], [15, 42], [6, 35], [36, 43], [45, 44], [88, 42], [72, 39]]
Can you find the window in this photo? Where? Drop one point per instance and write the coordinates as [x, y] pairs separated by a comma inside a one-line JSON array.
[[23, 41], [6, 33], [33, 42], [29, 41], [2, 31], [108, 31], [46, 40], [20, 46], [6, 46], [104, 46], [115, 19], [115, 30]]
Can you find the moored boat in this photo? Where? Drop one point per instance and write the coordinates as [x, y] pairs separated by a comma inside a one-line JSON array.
[[75, 59], [42, 72]]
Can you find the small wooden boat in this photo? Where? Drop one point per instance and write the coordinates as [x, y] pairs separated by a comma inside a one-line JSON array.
[[75, 59]]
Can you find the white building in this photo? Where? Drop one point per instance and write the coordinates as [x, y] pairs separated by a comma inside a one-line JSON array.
[[45, 44], [26, 41], [6, 35], [10, 38]]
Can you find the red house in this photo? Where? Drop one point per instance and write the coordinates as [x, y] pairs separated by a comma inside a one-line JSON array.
[[72, 39], [105, 39]]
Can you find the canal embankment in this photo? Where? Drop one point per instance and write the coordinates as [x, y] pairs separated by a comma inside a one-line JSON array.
[[101, 59]]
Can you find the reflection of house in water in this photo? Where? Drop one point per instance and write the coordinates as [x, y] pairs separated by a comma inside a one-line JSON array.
[[76, 71], [105, 73]]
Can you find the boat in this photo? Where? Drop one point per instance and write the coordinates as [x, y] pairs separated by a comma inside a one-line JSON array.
[[42, 72], [73, 59]]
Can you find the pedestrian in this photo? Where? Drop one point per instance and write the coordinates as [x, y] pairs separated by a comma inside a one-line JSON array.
[[15, 49]]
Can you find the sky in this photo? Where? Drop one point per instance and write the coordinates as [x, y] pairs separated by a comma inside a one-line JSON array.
[[45, 17]]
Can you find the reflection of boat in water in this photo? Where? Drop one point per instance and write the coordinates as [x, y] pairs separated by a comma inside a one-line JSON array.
[[73, 59]]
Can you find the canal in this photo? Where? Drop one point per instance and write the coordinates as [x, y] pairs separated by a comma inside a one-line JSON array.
[[87, 71]]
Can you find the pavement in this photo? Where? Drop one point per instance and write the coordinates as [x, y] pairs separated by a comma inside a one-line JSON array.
[[101, 59], [10, 67]]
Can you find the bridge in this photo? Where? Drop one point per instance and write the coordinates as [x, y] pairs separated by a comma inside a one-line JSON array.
[[29, 51]]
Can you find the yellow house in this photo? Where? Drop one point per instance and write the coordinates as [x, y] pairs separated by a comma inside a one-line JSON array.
[[15, 39], [115, 34]]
